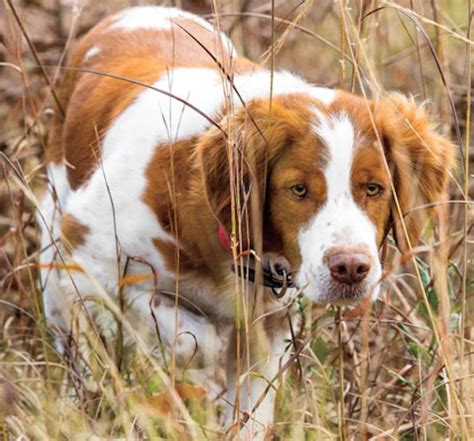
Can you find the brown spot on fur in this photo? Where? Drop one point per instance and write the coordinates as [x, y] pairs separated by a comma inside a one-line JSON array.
[[174, 260], [73, 233], [156, 301]]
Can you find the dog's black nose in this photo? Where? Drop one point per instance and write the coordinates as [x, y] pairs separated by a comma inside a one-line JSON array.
[[348, 267]]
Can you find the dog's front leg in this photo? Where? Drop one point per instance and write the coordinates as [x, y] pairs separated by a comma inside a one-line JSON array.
[[253, 381]]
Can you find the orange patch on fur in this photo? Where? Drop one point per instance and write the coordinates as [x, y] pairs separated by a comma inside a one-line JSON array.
[[73, 233]]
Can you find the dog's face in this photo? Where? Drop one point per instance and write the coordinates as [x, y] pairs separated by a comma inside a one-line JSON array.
[[330, 204], [325, 175]]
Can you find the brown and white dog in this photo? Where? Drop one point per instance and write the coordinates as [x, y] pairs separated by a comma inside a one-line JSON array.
[[153, 180]]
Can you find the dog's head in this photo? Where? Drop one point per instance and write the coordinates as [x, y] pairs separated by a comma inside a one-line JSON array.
[[318, 181]]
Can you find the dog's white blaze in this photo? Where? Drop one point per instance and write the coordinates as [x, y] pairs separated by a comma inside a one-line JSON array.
[[161, 18], [340, 222]]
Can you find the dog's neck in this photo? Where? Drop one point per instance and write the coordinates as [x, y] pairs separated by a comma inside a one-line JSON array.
[[176, 192]]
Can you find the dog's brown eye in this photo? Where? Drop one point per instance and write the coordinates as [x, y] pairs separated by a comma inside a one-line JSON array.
[[373, 190], [299, 190]]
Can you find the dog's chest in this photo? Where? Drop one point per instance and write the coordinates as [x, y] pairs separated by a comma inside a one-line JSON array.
[[137, 268]]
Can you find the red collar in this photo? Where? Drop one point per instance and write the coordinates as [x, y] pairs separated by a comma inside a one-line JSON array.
[[224, 238]]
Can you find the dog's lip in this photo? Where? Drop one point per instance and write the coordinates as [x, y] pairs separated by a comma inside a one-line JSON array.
[[317, 286], [339, 294], [339, 301]]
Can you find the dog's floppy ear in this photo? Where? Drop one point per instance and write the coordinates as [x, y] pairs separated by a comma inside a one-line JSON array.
[[242, 152], [420, 160]]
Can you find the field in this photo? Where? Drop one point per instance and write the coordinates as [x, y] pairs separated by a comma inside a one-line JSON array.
[[400, 368]]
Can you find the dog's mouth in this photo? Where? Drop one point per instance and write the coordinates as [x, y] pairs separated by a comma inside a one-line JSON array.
[[319, 286], [277, 275], [341, 294]]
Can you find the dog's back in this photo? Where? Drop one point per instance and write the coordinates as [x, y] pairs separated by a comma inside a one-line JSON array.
[[138, 46]]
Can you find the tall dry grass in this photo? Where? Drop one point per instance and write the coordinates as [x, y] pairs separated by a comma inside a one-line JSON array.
[[401, 368]]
